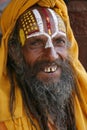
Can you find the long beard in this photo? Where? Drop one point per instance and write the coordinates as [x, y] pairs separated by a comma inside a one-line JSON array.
[[41, 99], [53, 98]]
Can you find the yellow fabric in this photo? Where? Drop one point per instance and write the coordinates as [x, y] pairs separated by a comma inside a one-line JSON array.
[[8, 20], [21, 123]]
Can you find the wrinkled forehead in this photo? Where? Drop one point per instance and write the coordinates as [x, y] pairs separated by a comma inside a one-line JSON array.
[[40, 21]]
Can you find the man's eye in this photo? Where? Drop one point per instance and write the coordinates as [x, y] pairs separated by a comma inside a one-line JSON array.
[[59, 42], [35, 44]]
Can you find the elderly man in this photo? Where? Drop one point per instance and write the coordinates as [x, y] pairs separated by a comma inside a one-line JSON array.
[[41, 85]]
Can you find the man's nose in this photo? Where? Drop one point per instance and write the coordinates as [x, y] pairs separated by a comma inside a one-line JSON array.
[[51, 54]]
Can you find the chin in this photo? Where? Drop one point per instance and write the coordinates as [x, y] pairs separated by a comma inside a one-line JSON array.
[[49, 81], [48, 78]]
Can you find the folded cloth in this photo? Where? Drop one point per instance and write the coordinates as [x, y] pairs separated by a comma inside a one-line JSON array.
[[7, 23]]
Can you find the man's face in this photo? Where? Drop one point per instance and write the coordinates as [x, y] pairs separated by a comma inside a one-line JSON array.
[[43, 48], [35, 50]]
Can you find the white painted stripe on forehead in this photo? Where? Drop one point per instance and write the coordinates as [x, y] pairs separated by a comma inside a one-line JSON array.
[[55, 19], [38, 34], [39, 20], [58, 33], [46, 34]]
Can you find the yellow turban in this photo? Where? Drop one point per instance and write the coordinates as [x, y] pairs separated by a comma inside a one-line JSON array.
[[8, 20]]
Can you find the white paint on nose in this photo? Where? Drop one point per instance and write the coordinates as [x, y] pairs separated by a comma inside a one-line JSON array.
[[49, 43]]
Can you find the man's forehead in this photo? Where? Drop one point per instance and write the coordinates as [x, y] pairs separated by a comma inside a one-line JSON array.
[[39, 20]]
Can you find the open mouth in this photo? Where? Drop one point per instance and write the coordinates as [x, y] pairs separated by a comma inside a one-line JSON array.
[[49, 73], [50, 69]]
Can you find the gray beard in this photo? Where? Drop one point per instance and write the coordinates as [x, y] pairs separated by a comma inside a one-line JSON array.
[[39, 98], [54, 98]]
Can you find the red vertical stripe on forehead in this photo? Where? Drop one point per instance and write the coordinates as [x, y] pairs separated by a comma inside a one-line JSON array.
[[47, 21]]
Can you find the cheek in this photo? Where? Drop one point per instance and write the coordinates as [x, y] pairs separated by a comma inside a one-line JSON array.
[[62, 52], [31, 56]]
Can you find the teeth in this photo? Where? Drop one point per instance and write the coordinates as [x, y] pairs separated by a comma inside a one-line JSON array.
[[53, 69], [50, 69]]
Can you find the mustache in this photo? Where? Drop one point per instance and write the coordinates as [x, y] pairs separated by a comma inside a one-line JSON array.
[[40, 65]]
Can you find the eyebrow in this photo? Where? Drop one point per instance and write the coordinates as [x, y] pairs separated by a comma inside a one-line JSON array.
[[39, 34], [59, 36], [40, 38]]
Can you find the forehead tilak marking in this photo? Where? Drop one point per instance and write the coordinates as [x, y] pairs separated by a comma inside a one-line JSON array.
[[38, 20], [29, 23], [32, 22], [41, 27], [54, 19], [45, 11], [58, 23]]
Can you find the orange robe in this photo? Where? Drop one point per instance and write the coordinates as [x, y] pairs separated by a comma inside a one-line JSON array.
[[7, 23]]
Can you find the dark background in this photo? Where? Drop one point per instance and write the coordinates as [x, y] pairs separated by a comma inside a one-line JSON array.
[[77, 10], [3, 3], [78, 19]]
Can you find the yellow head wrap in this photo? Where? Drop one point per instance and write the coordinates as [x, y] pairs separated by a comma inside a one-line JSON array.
[[8, 20]]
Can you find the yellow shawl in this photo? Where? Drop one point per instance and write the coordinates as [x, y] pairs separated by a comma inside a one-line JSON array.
[[7, 23]]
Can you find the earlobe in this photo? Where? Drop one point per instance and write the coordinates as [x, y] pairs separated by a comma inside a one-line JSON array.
[[2, 126]]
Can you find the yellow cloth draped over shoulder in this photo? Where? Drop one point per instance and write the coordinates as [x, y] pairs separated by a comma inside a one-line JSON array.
[[7, 23]]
